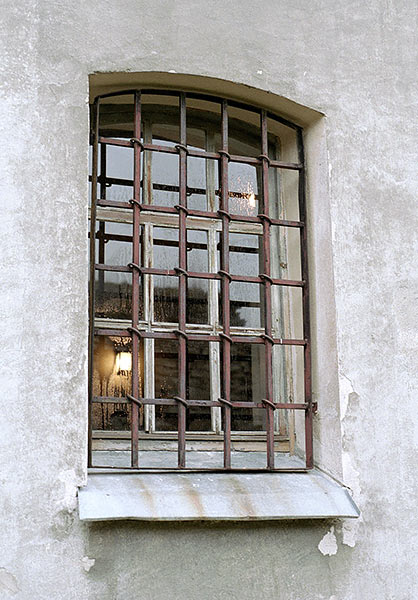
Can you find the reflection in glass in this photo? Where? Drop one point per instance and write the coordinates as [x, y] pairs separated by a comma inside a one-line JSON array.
[[116, 116], [197, 251], [165, 177], [287, 312], [247, 385], [165, 299], [113, 294], [246, 255], [244, 131], [244, 189], [166, 248], [198, 385], [113, 243], [245, 304], [197, 301], [112, 370], [286, 253], [202, 184], [166, 383]]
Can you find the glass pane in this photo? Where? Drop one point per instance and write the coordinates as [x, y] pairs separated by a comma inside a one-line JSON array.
[[202, 184], [203, 124], [282, 142], [197, 301], [244, 132], [161, 112], [114, 295], [119, 162], [287, 312], [283, 191], [166, 244], [112, 376], [166, 383], [198, 385], [197, 251], [288, 373], [246, 256], [116, 116], [247, 385], [244, 189], [114, 243], [165, 299], [165, 177], [245, 304], [286, 253]]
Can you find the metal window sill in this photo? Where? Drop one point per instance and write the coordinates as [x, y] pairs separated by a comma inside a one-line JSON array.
[[195, 496]]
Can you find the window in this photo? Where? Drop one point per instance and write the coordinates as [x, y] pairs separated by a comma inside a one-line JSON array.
[[199, 321]]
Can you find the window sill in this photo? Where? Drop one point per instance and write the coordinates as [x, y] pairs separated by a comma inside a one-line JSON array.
[[194, 496]]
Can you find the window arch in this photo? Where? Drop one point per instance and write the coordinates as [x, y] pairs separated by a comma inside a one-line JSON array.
[[199, 320]]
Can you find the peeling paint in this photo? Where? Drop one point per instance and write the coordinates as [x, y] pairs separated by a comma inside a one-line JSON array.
[[328, 545], [8, 582]]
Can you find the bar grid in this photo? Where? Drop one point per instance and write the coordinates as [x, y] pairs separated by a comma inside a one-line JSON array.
[[225, 338]]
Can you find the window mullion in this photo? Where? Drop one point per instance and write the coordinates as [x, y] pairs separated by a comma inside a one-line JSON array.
[[148, 286], [214, 348]]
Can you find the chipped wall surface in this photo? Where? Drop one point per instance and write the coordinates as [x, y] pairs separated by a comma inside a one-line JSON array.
[[353, 62]]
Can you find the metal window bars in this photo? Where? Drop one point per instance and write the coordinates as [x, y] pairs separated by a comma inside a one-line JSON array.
[[224, 337]]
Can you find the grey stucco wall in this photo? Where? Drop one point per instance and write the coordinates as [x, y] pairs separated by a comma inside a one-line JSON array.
[[356, 63]]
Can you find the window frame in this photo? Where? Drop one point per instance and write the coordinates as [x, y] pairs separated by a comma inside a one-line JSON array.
[[225, 223]]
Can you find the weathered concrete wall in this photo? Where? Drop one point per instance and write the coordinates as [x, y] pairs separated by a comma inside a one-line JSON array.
[[355, 63]]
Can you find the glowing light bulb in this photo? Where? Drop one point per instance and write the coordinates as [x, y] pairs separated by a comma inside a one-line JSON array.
[[123, 362]]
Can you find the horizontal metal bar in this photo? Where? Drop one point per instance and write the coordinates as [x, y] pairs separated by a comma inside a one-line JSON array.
[[196, 337], [117, 268], [197, 213], [122, 470], [249, 160], [203, 403], [197, 275]]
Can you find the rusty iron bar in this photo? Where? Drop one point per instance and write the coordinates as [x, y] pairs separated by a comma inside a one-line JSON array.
[[203, 403], [198, 213], [92, 276], [306, 316], [182, 339], [197, 337], [194, 470], [197, 275], [225, 285], [201, 154], [136, 279], [267, 281]]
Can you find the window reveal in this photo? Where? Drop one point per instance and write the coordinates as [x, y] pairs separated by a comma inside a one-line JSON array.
[[198, 295]]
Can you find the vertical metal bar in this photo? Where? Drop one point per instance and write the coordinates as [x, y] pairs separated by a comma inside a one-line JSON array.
[[268, 348], [182, 351], [135, 280], [92, 274], [305, 302], [226, 343], [101, 274]]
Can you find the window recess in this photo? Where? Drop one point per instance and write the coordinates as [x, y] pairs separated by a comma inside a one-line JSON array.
[[199, 321]]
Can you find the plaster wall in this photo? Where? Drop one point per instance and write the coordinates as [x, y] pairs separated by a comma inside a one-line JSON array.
[[353, 62]]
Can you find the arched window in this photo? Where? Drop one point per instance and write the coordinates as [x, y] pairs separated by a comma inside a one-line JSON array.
[[199, 321]]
